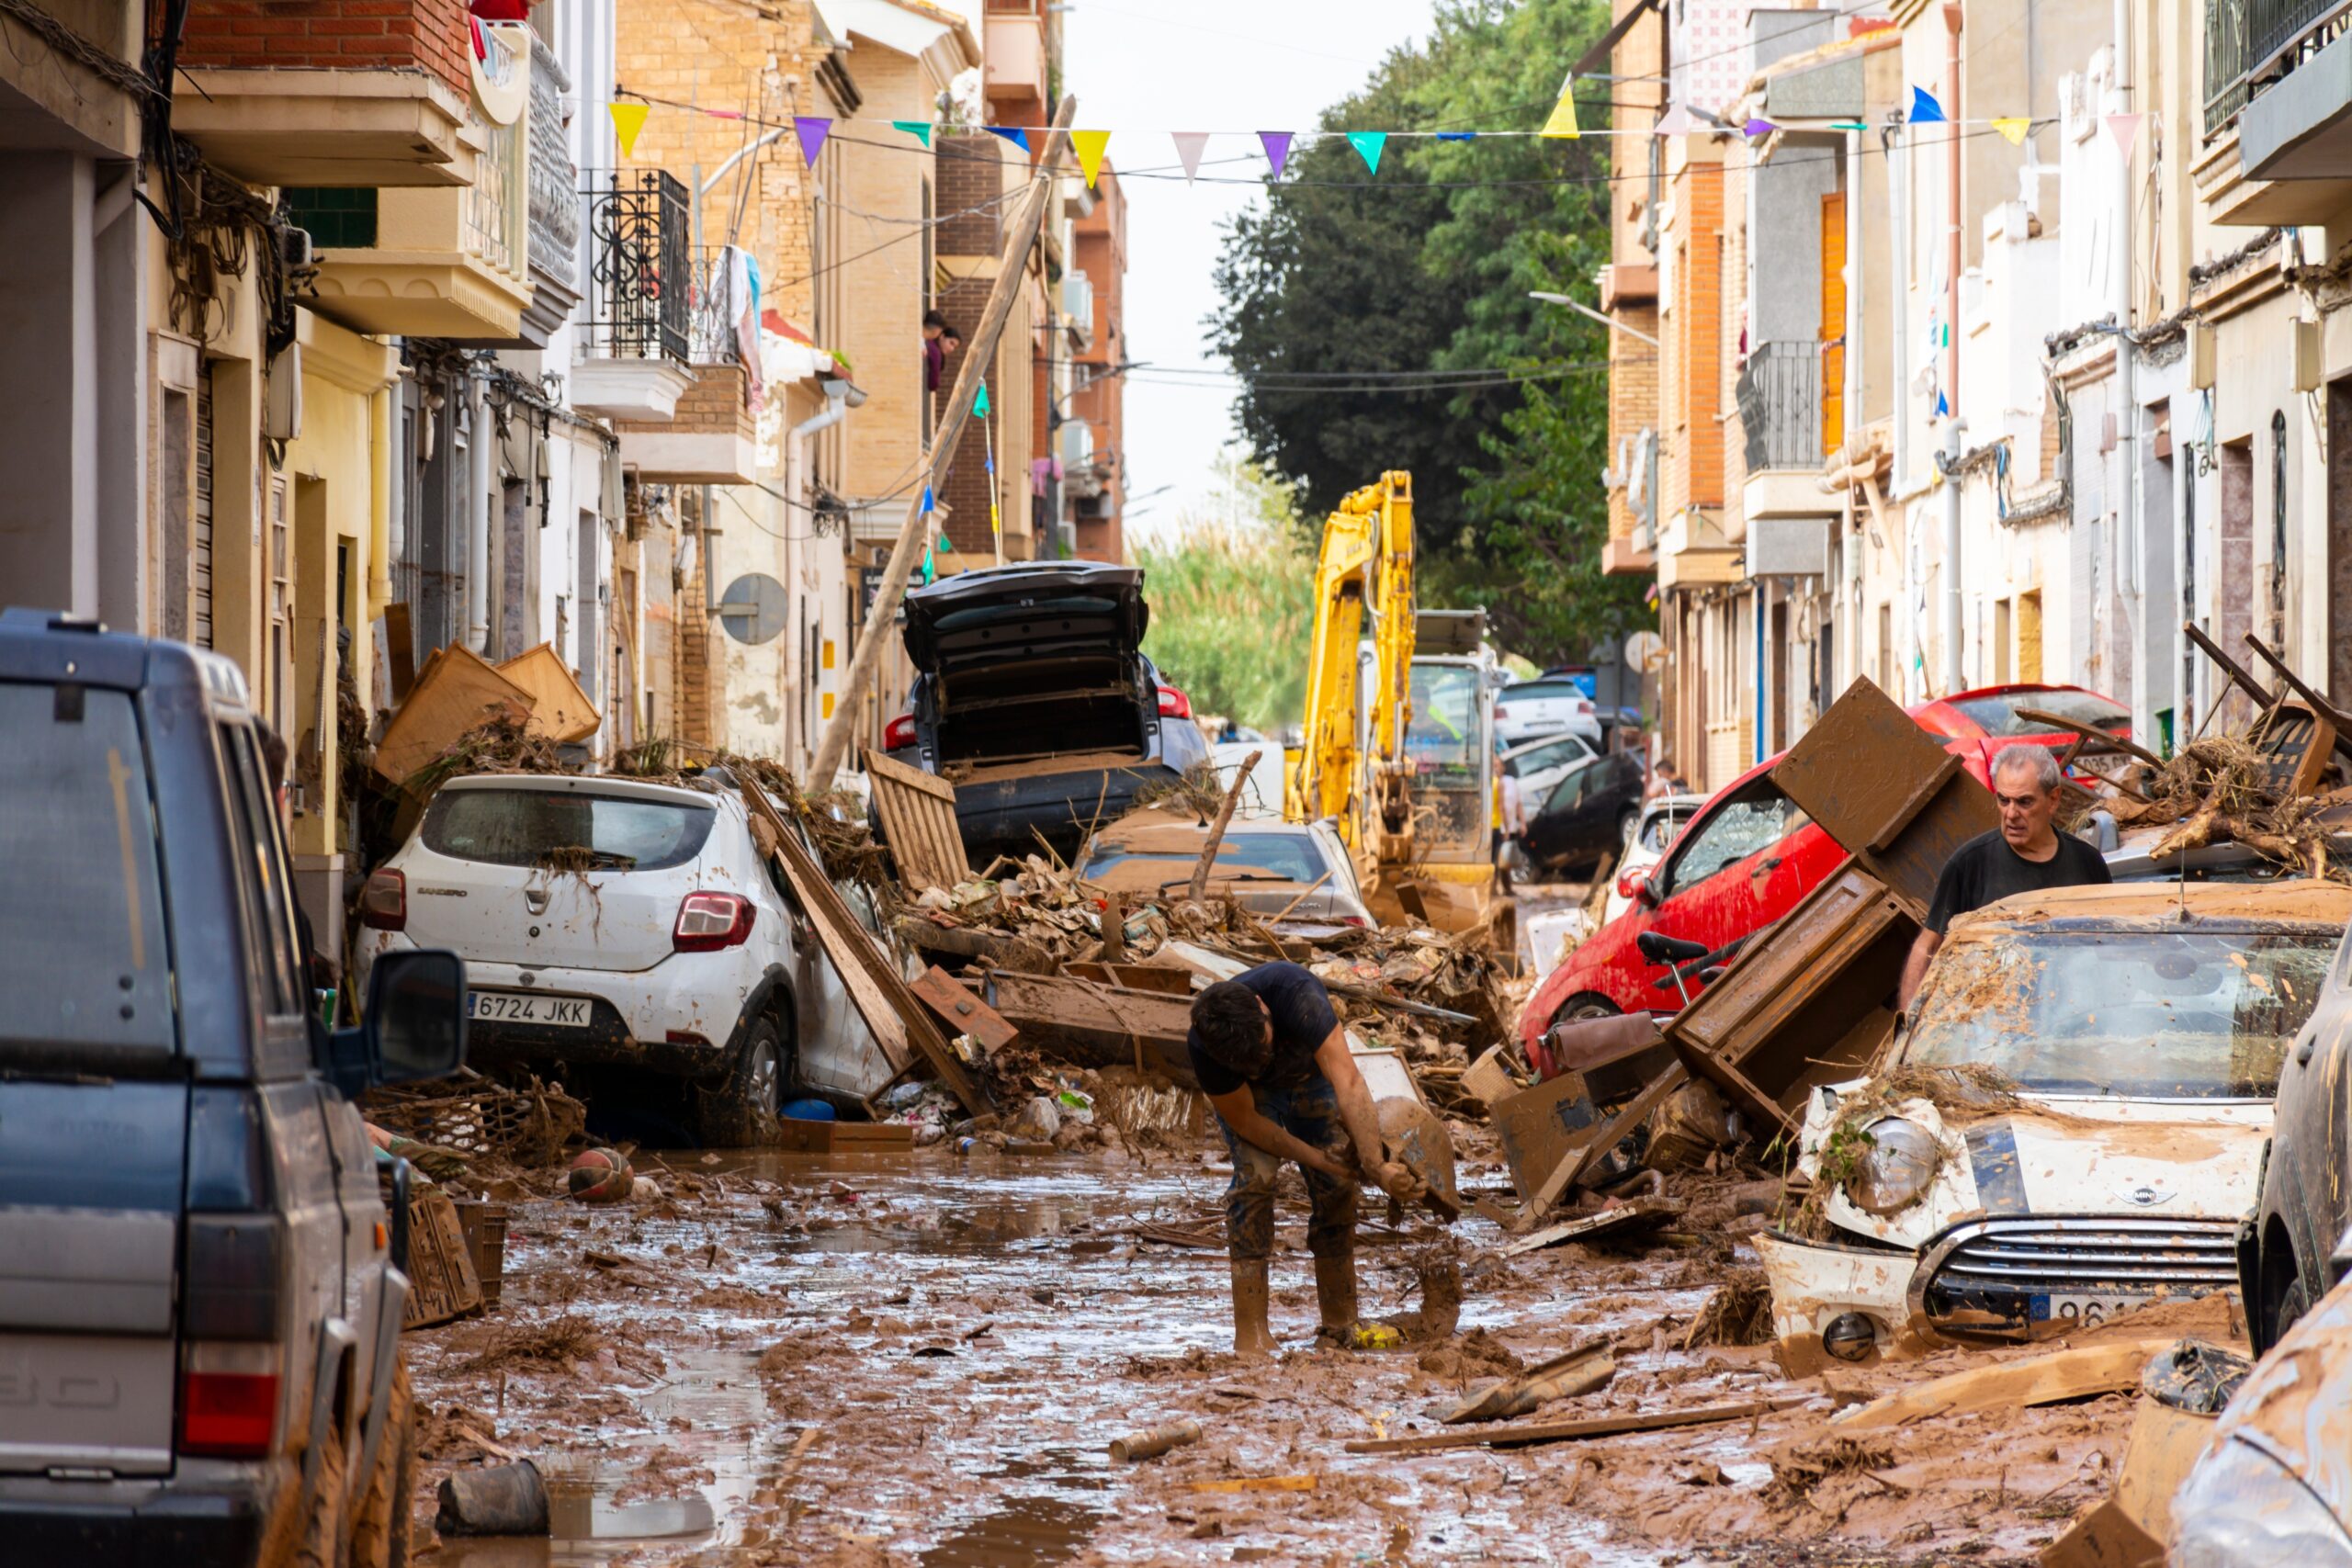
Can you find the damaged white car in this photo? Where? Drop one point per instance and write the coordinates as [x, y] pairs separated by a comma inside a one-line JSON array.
[[2072, 1125]]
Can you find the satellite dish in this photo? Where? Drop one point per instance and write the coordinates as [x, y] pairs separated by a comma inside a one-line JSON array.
[[1645, 652], [754, 610]]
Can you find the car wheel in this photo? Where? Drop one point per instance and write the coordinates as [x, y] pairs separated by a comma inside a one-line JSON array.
[[744, 1111], [1627, 825], [321, 1545], [2286, 1306], [1586, 1005], [379, 1536]]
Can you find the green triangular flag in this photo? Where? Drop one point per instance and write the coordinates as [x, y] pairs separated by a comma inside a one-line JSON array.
[[919, 129], [980, 403], [928, 569], [946, 544], [1368, 144]]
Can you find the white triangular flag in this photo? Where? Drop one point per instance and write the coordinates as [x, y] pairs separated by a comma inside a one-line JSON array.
[[1189, 144]]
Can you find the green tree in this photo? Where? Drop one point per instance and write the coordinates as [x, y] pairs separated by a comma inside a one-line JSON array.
[[1230, 620]]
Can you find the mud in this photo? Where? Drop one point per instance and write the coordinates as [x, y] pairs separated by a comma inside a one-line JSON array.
[[920, 1360]]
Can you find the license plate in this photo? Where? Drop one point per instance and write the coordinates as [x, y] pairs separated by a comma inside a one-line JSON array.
[[524, 1007], [2087, 1311]]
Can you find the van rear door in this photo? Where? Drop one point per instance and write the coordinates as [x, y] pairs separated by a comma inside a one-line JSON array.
[[93, 1105]]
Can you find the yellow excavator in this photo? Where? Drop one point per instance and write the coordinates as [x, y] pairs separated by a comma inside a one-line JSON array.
[[1398, 739]]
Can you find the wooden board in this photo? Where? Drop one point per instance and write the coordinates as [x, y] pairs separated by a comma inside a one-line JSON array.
[[962, 1012], [559, 709], [400, 644], [1134, 977], [1566, 1431], [987, 947], [1097, 1026], [844, 1137], [2076, 1373], [918, 813], [456, 692], [442, 1282], [897, 1019], [1642, 1214]]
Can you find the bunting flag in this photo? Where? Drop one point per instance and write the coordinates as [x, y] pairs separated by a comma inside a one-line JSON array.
[[1189, 146], [812, 130], [1013, 133], [2013, 129], [1675, 121], [627, 120], [1368, 144], [1849, 125], [1925, 110], [1277, 146], [1562, 122], [2125, 128], [1090, 145], [930, 569], [980, 403], [1756, 127], [1943, 406], [917, 128], [1457, 136]]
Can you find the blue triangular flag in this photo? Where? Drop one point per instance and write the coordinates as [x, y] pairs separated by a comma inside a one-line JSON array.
[[1925, 110], [1457, 136], [1942, 406], [1013, 133], [926, 497]]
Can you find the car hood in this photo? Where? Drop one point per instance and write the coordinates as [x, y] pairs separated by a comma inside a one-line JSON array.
[[1043, 610], [2153, 1159]]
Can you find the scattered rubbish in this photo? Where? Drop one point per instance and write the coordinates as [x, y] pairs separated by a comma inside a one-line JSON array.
[[443, 1282], [600, 1175], [2196, 1377], [844, 1137], [1153, 1441], [918, 816], [506, 1499], [484, 1225], [1640, 1215], [1259, 1483], [1570, 1431], [1585, 1369], [1415, 1136], [2077, 1372]]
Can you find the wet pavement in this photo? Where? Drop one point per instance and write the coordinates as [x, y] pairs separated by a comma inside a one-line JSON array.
[[922, 1359]]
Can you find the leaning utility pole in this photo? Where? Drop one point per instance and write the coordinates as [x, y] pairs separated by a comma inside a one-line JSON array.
[[1020, 235]]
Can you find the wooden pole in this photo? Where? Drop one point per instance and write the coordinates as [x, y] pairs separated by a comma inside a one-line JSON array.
[[1217, 831], [882, 620]]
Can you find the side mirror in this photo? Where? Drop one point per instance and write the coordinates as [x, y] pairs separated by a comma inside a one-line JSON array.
[[415, 1028], [1637, 886]]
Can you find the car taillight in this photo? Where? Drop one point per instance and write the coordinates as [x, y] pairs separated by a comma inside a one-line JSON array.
[[900, 733], [1354, 920], [1174, 704], [229, 1397], [1502, 710], [383, 902], [708, 921]]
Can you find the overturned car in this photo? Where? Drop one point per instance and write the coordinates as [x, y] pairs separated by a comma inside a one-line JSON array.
[[2071, 1126]]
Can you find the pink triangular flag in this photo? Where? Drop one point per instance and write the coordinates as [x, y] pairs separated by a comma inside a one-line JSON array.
[[2125, 128], [1189, 146], [812, 130], [1277, 146], [1675, 121]]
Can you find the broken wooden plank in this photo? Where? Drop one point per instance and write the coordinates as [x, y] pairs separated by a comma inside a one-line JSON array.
[[1585, 1369], [963, 941], [874, 985], [2078, 1372], [2106, 738], [964, 1012], [1200, 887], [2332, 719], [1640, 1215], [1259, 1483], [559, 710], [918, 815], [455, 691], [1090, 1025], [1571, 1431]]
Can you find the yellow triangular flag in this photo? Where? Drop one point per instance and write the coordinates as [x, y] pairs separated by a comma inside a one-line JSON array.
[[627, 120], [1564, 113], [2013, 128], [1090, 145]]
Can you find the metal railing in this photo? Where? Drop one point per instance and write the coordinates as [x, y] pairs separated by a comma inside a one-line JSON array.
[[2250, 44], [641, 278], [1780, 406]]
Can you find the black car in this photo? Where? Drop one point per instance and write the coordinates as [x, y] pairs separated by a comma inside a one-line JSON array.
[[2305, 1207], [1034, 698], [1590, 815]]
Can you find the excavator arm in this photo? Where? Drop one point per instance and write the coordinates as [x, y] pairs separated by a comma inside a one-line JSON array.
[[1352, 765]]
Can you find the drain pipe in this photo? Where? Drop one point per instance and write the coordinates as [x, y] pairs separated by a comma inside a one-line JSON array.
[[1953, 433], [1898, 208], [2127, 393], [478, 515], [796, 483]]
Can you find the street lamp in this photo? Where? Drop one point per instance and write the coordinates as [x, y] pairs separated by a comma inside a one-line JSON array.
[[1583, 309]]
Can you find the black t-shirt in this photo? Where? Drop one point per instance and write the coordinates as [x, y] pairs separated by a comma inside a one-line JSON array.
[[1985, 870], [1303, 1020]]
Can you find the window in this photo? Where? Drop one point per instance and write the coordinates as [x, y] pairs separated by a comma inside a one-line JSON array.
[[563, 830], [276, 968], [1556, 752], [84, 957], [1288, 857], [1541, 692], [1997, 715], [1443, 736], [1758, 816]]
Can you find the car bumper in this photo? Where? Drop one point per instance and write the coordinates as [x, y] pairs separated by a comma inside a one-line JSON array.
[[130, 1524], [674, 1018]]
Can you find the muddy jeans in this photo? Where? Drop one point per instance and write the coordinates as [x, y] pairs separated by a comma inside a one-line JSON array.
[[1311, 1114]]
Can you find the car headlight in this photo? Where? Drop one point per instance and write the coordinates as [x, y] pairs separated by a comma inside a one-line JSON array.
[[1898, 1168], [2241, 1508]]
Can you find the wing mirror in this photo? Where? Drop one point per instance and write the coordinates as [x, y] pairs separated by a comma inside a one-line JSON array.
[[1636, 884], [415, 1026]]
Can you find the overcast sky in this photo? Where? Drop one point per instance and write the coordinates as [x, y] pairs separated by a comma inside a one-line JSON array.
[[1143, 68]]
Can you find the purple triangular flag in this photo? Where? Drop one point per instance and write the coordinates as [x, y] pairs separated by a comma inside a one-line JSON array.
[[1756, 127], [1013, 133], [812, 130], [1277, 146]]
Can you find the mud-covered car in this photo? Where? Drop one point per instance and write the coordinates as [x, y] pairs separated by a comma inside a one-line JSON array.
[[2071, 1125], [2299, 1224], [1299, 871]]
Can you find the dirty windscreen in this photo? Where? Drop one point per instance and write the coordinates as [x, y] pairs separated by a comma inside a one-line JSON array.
[[539, 827], [1291, 857], [1997, 714], [2145, 1014], [1446, 744]]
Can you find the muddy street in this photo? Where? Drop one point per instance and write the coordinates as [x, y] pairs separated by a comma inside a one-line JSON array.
[[922, 1360]]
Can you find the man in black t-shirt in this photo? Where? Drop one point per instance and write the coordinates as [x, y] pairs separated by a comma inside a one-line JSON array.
[[2027, 855], [1271, 1056]]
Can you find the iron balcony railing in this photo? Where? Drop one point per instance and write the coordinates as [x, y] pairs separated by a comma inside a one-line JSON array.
[[1780, 406], [641, 272], [2249, 44]]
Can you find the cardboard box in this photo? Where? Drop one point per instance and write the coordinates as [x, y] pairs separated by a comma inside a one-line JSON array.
[[1542, 1128], [844, 1137]]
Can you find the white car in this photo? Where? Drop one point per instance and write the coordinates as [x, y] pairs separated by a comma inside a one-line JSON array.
[[2136, 1032], [1527, 710], [1262, 795], [1540, 764], [1661, 823], [610, 922]]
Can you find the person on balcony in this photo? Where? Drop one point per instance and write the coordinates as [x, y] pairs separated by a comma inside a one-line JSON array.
[[939, 340]]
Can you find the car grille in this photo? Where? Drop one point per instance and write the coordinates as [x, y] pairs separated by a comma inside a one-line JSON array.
[[2092, 1256]]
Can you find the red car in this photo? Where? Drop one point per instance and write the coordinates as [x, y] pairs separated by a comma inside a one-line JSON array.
[[1750, 855]]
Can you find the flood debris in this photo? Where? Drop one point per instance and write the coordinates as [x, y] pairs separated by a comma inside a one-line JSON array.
[[1153, 1441], [503, 1499], [600, 1175]]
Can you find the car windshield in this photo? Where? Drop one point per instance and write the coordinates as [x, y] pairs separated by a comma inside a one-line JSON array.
[[1539, 692], [2148, 1014], [565, 830], [1292, 857], [1996, 713], [84, 956], [1554, 753], [1443, 736], [1659, 828], [1758, 817]]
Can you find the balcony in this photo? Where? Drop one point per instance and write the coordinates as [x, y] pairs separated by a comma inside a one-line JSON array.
[[1779, 413], [1016, 51], [441, 263], [2282, 70], [328, 93], [634, 351], [1077, 310], [710, 436]]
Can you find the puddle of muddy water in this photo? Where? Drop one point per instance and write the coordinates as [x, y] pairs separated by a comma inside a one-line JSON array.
[[1028, 1530]]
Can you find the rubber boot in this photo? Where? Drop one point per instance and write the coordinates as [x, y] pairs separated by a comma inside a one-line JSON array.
[[1250, 1335], [1335, 1294]]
